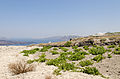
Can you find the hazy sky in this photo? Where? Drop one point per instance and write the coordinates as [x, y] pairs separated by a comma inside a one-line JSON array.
[[43, 18]]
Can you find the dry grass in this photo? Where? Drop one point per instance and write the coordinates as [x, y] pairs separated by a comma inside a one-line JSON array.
[[20, 67], [48, 77]]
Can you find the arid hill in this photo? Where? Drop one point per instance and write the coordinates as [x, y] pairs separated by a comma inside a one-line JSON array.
[[102, 40]]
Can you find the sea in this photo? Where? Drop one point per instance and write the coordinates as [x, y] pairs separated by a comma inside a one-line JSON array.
[[30, 42]]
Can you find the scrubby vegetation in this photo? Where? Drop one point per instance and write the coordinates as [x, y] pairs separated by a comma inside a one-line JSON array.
[[68, 44], [86, 47], [85, 63], [97, 50], [64, 62], [76, 57], [27, 52], [91, 70], [57, 72], [111, 46], [64, 49], [108, 50], [54, 52], [74, 47], [45, 48], [109, 56], [117, 50], [77, 50], [20, 67], [40, 59], [55, 49], [98, 58]]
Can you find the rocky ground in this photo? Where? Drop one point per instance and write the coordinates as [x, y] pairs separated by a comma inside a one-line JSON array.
[[9, 54]]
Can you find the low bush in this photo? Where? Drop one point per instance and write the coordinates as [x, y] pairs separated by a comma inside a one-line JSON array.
[[45, 48], [109, 50], [74, 47], [57, 61], [76, 56], [111, 46], [117, 49], [55, 49], [54, 52], [57, 72], [40, 59], [97, 50], [109, 56], [20, 67], [68, 44], [66, 66], [85, 63], [32, 51], [91, 70], [77, 50], [98, 58], [86, 47], [64, 49], [116, 52]]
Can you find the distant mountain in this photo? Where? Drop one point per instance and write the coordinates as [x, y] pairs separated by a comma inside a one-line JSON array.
[[7, 42], [60, 38], [48, 39], [4, 41]]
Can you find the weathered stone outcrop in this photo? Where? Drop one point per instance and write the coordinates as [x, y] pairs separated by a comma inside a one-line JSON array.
[[88, 41]]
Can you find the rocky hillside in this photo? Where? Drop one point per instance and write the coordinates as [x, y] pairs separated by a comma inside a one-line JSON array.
[[106, 39]]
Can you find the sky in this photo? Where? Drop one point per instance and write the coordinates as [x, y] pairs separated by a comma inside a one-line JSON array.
[[45, 18]]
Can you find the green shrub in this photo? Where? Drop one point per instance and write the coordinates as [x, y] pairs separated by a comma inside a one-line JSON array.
[[91, 70], [37, 49], [111, 46], [77, 50], [57, 72], [98, 58], [30, 61], [116, 52], [54, 52], [86, 47], [45, 48], [40, 59], [74, 47], [85, 63], [97, 50], [119, 45], [57, 61], [82, 53], [66, 66], [109, 50], [55, 49], [117, 49], [64, 49], [68, 44], [76, 56], [109, 56], [94, 45], [32, 51]]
